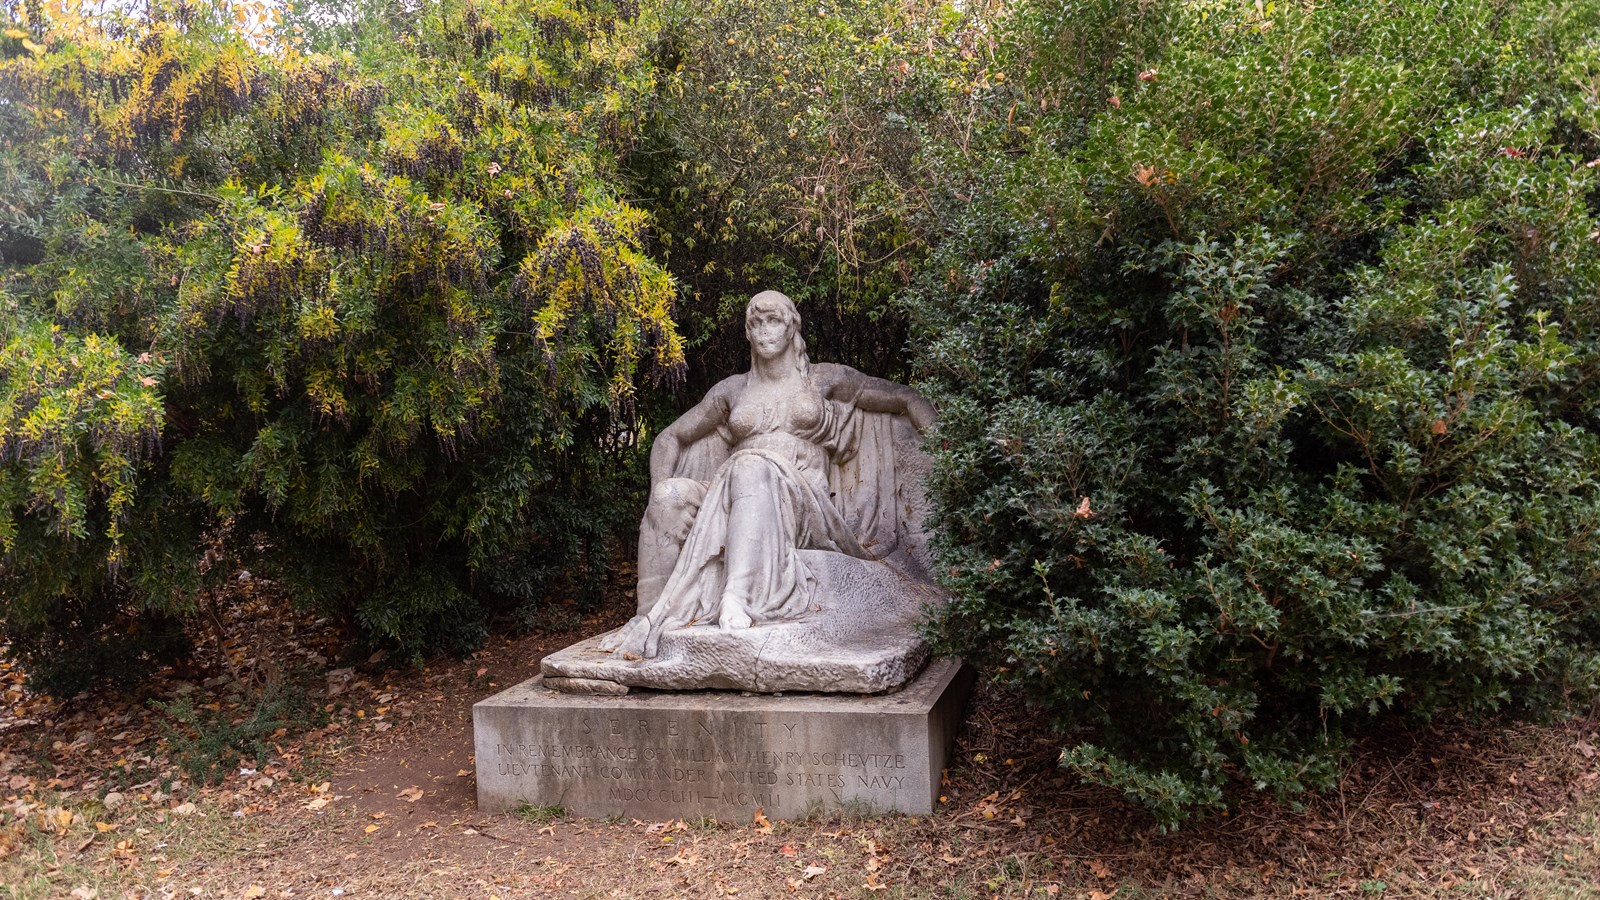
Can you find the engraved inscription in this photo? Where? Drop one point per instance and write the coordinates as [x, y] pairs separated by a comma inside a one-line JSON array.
[[730, 763]]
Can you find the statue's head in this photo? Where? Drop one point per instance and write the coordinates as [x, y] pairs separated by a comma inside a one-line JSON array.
[[771, 311]]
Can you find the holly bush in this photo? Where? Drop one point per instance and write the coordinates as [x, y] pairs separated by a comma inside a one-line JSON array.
[[1268, 365], [359, 306]]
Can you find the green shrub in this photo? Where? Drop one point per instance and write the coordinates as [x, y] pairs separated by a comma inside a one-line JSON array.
[[1267, 373], [784, 149], [364, 302]]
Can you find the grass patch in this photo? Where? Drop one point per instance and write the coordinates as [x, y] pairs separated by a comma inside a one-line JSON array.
[[539, 815]]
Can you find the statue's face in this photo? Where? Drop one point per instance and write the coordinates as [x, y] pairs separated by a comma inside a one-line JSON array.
[[770, 332]]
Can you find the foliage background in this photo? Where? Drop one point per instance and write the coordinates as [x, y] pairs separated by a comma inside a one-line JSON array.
[[1262, 333], [789, 144]]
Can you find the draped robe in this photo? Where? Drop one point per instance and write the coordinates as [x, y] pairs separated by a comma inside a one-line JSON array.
[[804, 474]]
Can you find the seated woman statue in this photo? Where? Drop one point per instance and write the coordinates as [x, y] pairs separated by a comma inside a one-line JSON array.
[[726, 548]]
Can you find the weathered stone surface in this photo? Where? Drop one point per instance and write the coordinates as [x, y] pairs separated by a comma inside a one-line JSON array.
[[658, 755], [783, 547], [585, 686], [860, 638]]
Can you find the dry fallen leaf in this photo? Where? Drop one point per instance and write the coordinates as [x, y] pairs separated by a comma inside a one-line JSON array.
[[1099, 868], [787, 850], [254, 891], [813, 871], [319, 803], [761, 822], [370, 829], [411, 794], [684, 858]]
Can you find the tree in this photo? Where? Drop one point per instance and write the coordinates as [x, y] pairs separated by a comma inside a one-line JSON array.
[[786, 148], [360, 305]]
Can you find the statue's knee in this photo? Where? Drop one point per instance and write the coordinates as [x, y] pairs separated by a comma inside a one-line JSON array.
[[747, 472]]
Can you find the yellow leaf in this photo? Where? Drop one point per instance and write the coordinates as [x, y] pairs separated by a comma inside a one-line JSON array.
[[254, 891], [104, 827], [371, 828]]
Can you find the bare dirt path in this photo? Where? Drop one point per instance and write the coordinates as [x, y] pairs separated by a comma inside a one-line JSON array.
[[375, 798]]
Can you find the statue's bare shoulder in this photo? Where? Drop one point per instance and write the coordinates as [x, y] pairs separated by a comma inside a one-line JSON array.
[[724, 391], [711, 411]]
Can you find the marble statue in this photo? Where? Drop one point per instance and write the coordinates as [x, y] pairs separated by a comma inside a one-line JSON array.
[[782, 548]]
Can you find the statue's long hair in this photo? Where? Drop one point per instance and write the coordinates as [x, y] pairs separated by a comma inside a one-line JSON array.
[[791, 316]]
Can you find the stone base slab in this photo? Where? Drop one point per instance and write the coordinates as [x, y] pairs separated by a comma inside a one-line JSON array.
[[678, 754], [860, 638]]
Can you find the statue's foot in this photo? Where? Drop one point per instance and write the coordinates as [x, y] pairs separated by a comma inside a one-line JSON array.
[[628, 641], [733, 616], [609, 642]]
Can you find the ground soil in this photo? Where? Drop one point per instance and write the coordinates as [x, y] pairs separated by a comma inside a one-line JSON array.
[[372, 795]]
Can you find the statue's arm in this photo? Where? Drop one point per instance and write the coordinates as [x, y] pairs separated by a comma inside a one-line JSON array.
[[873, 394], [710, 412]]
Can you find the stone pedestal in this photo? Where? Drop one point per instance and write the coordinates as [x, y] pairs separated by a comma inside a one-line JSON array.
[[685, 754]]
